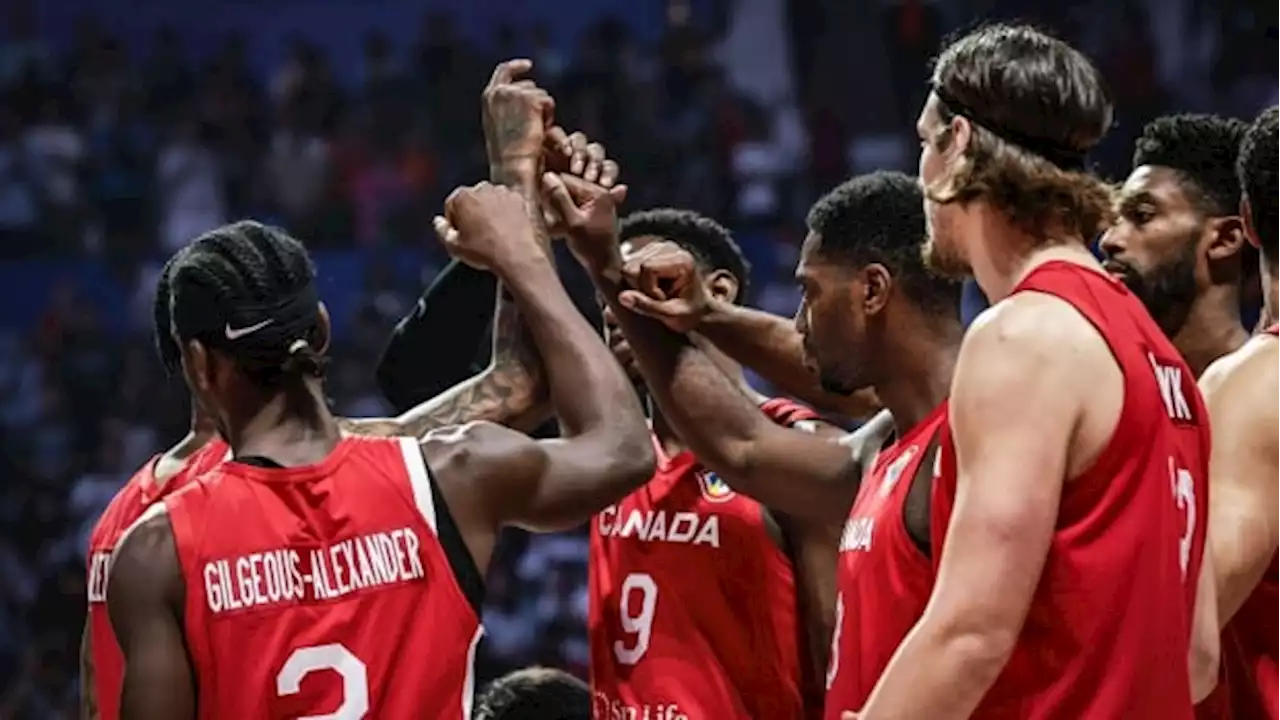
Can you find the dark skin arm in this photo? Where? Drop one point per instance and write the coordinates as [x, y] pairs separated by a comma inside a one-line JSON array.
[[770, 345], [493, 476], [144, 599], [510, 391], [788, 470], [88, 695]]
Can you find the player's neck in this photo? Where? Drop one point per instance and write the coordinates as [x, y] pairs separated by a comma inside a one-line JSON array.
[[1003, 255], [293, 427], [921, 379], [1213, 329]]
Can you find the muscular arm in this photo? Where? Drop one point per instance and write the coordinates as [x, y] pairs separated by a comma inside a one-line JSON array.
[[509, 392], [1241, 395], [88, 693], [792, 471], [604, 451], [144, 600], [770, 345], [1014, 406]]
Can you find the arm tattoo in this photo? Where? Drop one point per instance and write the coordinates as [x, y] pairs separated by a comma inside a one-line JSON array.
[[88, 694], [511, 391]]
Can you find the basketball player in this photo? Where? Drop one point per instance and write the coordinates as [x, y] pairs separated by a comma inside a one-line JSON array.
[[1067, 580], [307, 575], [1178, 242], [1241, 391], [502, 393], [535, 693], [866, 294], [668, 560]]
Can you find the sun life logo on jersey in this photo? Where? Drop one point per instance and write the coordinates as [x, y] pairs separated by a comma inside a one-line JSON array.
[[894, 471], [713, 488]]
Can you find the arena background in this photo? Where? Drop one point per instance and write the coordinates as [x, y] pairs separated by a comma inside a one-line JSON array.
[[127, 128]]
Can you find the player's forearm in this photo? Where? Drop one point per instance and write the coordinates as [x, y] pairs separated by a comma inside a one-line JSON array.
[[588, 390], [770, 345], [939, 672], [707, 410]]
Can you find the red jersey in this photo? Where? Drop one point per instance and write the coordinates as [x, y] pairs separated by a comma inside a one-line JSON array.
[[882, 577], [325, 590], [122, 512], [1249, 684], [693, 605], [1105, 636]]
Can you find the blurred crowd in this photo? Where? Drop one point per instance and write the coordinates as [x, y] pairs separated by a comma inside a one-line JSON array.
[[119, 155]]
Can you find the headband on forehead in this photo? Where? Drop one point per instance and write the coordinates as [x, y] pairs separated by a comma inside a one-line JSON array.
[[1063, 157], [255, 329]]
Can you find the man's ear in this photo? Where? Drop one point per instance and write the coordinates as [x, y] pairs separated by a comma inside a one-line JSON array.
[[1226, 237], [323, 329], [722, 285]]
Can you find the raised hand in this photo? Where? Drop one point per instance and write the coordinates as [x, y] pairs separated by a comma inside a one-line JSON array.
[[487, 227], [517, 114], [587, 214], [667, 286], [575, 154]]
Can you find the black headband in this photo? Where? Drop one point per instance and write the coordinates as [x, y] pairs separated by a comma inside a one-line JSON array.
[[255, 330], [1061, 156]]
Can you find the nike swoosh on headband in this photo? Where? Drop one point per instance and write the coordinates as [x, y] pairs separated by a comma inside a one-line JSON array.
[[237, 333]]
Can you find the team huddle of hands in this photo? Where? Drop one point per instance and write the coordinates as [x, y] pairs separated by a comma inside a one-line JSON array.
[[492, 226]]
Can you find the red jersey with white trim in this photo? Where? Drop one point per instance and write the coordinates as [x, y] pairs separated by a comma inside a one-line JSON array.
[[324, 590], [121, 513], [693, 605], [1249, 685], [882, 577], [1109, 627]]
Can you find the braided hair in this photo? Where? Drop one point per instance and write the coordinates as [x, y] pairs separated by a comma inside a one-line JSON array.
[[248, 289]]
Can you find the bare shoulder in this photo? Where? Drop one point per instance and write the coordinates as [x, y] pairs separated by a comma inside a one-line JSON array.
[[1251, 370], [1033, 325], [477, 452], [146, 541], [1240, 391]]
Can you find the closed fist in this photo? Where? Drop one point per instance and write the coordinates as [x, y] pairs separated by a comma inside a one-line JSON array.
[[486, 226], [667, 286]]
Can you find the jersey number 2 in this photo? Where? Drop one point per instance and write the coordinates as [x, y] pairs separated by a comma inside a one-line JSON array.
[[335, 657], [1184, 498], [636, 617]]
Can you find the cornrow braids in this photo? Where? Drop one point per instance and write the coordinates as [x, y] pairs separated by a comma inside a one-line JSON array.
[[249, 289]]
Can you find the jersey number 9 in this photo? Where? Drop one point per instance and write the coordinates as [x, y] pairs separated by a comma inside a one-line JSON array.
[[636, 617]]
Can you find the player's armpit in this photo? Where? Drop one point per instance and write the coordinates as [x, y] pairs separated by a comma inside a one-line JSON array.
[[88, 694], [1015, 402], [144, 600], [541, 485], [1240, 391]]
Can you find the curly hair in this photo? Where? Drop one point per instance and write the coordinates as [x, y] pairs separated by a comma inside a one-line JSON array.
[[708, 241], [534, 693], [879, 217], [1037, 106], [1256, 170], [1203, 150]]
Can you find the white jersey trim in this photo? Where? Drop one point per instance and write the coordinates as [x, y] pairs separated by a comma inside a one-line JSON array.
[[419, 480], [469, 682]]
